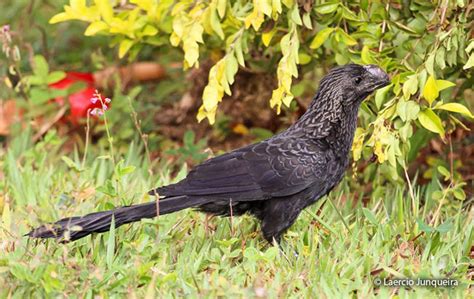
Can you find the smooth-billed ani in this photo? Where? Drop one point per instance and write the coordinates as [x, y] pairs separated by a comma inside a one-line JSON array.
[[274, 180]]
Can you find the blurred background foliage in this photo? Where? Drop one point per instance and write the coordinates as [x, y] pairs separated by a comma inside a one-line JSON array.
[[247, 69]]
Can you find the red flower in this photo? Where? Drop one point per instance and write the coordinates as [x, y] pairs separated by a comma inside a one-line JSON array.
[[80, 101]]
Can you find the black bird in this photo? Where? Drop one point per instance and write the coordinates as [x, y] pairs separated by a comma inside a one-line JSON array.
[[274, 180]]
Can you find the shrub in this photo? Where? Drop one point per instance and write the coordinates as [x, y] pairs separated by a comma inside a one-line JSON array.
[[425, 45]]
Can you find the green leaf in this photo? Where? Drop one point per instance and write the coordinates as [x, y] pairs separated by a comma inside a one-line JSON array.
[[71, 164], [430, 91], [109, 258], [424, 227], [41, 68], [430, 121], [410, 86], [408, 110], [370, 216], [445, 227], [456, 107], [381, 94], [459, 193], [36, 80], [444, 172], [40, 95], [307, 20], [321, 37], [326, 8], [429, 64], [126, 170], [440, 58], [108, 188], [295, 15], [469, 63], [216, 24], [55, 77], [349, 15], [346, 38]]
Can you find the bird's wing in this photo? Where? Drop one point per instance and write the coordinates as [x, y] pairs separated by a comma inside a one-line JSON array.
[[273, 168]]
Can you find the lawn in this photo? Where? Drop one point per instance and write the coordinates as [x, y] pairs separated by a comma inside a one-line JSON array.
[[336, 249]]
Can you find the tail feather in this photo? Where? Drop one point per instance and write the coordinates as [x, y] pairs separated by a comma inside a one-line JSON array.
[[73, 228]]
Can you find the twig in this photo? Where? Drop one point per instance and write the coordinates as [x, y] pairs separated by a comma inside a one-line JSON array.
[[444, 7], [143, 136], [86, 146], [410, 189], [384, 25], [48, 125], [231, 218]]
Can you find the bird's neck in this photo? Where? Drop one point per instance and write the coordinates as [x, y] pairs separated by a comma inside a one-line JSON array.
[[330, 122]]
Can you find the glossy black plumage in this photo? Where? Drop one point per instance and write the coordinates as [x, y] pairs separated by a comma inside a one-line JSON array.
[[274, 180]]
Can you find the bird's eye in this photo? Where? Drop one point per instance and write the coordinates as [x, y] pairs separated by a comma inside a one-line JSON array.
[[357, 80]]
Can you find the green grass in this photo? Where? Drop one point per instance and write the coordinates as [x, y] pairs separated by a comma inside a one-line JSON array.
[[342, 246]]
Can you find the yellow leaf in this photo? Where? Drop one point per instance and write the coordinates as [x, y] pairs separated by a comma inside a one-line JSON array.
[[95, 27], [358, 143], [174, 39], [430, 121], [178, 27], [221, 6], [320, 38], [443, 84], [379, 152], [276, 8], [254, 19], [105, 9], [366, 56], [210, 97], [456, 107], [60, 17], [201, 114], [287, 99], [211, 116], [304, 58], [191, 52], [146, 5], [276, 100], [216, 24], [125, 45], [430, 91], [77, 4], [240, 129], [264, 6], [149, 30], [267, 36]]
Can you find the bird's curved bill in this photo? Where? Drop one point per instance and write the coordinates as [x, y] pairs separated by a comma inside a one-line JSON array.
[[379, 77]]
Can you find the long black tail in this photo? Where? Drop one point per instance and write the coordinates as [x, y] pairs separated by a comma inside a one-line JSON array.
[[73, 228]]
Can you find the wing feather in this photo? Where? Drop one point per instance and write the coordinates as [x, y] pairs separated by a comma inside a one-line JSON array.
[[273, 168]]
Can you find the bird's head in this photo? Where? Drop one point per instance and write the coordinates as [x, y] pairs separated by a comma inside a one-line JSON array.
[[354, 82]]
